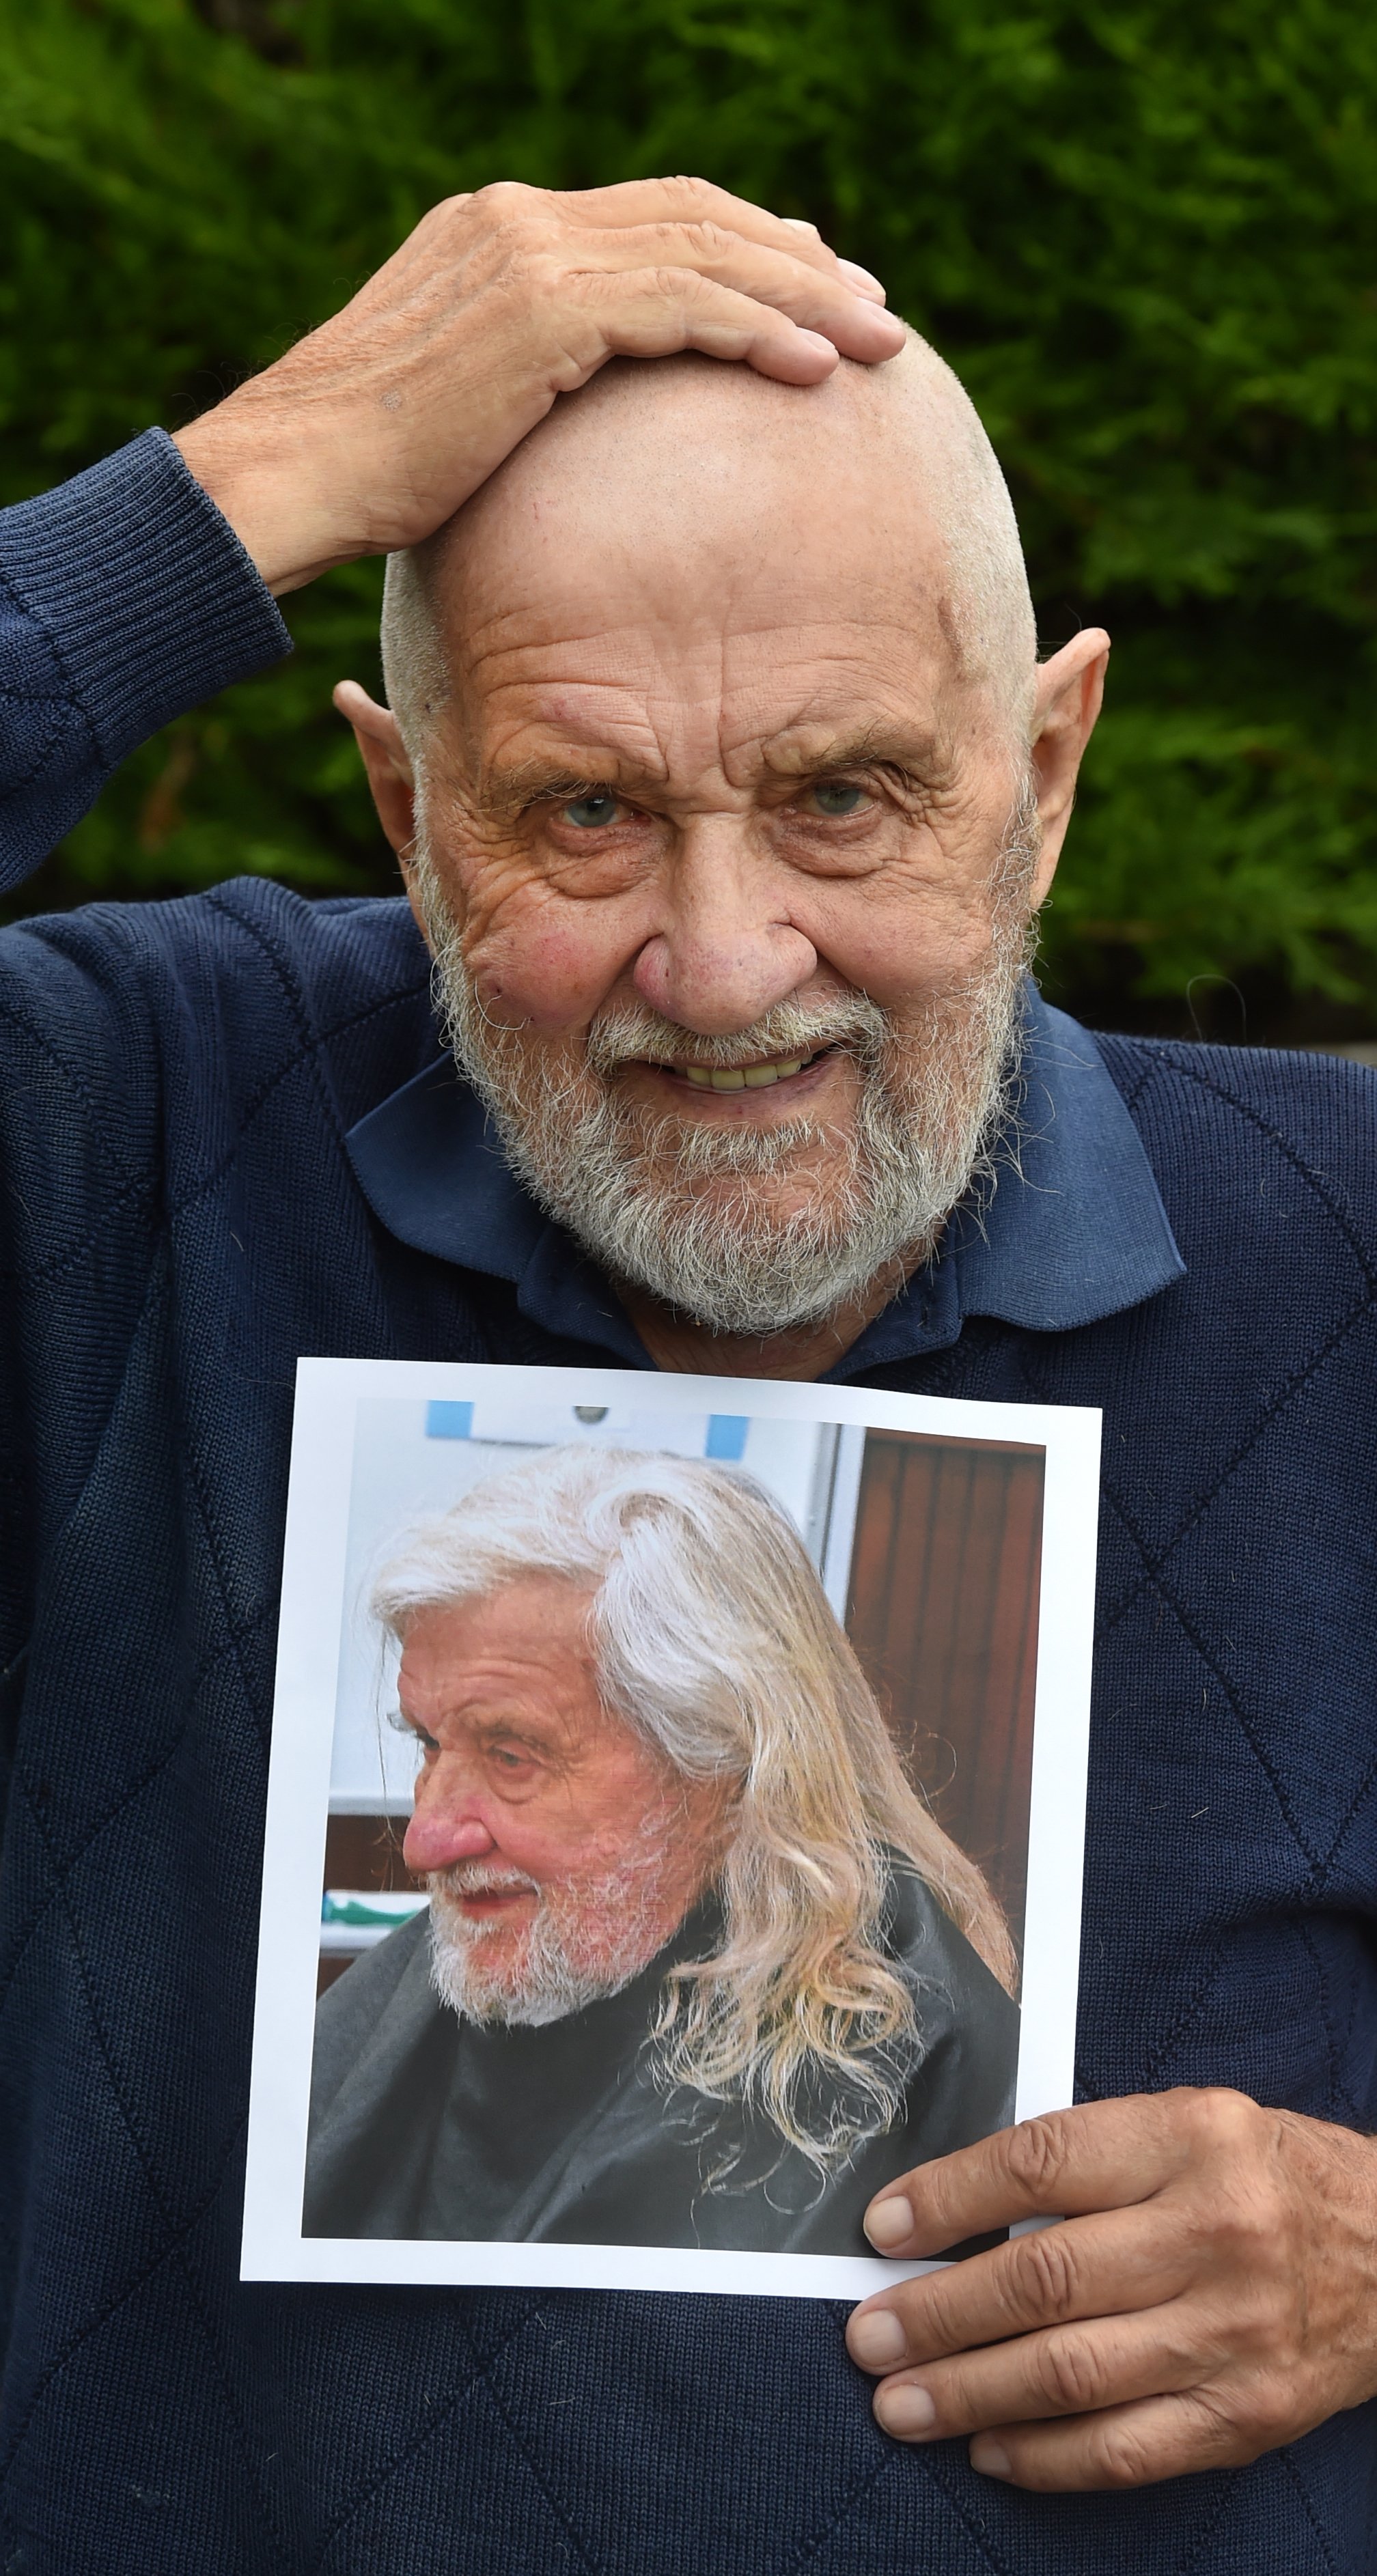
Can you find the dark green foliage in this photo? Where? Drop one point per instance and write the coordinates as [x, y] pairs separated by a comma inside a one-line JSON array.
[[1144, 234]]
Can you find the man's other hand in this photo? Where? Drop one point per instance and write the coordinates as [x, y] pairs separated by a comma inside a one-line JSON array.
[[373, 430], [1212, 2293]]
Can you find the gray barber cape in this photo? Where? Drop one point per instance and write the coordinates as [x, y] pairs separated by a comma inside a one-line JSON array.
[[425, 2125]]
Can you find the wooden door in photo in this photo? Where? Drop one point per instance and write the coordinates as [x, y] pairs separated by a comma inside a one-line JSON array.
[[943, 1613]]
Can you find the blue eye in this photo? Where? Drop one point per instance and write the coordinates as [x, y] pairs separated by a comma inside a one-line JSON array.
[[836, 797], [590, 813]]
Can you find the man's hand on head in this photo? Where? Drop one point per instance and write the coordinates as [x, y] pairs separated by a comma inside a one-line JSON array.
[[1211, 2294], [373, 431]]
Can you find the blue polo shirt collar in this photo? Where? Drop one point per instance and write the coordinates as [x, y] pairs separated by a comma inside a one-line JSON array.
[[1070, 1228]]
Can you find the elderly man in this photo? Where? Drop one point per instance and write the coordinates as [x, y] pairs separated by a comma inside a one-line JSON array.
[[700, 1968], [727, 786]]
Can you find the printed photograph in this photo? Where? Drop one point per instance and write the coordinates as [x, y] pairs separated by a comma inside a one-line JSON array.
[[676, 1846]]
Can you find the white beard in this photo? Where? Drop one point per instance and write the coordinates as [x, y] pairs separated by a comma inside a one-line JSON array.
[[588, 1938], [670, 1206]]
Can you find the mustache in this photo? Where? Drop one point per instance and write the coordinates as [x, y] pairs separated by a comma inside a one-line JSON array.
[[479, 1878], [636, 1033]]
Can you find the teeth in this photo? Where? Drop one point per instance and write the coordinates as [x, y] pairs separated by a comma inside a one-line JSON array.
[[755, 1077]]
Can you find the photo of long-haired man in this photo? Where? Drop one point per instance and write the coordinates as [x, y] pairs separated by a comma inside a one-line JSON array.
[[699, 1967]]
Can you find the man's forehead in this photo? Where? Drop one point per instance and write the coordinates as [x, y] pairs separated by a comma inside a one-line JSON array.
[[534, 1618], [681, 543], [608, 547], [656, 710]]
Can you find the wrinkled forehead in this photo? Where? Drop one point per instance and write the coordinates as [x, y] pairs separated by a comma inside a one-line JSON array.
[[694, 548], [532, 1624]]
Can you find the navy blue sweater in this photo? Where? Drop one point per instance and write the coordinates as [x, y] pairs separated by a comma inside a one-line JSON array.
[[180, 1220]]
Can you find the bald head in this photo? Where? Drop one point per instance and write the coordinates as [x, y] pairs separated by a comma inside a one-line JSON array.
[[700, 483]]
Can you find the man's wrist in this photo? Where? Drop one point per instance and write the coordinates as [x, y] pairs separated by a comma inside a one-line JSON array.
[[270, 491]]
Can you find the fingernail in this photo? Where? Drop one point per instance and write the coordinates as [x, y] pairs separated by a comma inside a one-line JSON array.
[[819, 340], [990, 2460], [877, 2339], [861, 279], [799, 224], [890, 2221], [905, 2411]]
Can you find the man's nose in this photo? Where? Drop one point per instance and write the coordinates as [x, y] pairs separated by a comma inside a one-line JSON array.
[[444, 1828], [724, 956]]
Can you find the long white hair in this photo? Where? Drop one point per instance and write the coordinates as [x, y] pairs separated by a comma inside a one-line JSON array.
[[712, 1636]]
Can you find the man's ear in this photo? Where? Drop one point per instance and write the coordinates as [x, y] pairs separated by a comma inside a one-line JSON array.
[[1070, 692], [378, 735]]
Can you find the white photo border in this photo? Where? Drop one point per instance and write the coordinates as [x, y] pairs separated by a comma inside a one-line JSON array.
[[309, 1647]]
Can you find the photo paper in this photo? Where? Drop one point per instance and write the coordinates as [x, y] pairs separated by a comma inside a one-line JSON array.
[[675, 1820]]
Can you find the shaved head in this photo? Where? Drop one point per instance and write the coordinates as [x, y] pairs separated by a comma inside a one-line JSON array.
[[685, 457]]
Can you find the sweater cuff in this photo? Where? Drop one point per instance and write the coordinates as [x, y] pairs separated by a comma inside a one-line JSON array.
[[143, 589]]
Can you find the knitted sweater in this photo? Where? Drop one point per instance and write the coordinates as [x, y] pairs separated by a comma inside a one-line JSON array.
[[180, 1220]]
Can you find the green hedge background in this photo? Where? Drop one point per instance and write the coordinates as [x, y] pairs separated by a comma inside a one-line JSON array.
[[1144, 234]]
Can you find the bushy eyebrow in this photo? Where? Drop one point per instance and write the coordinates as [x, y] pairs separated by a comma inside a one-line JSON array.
[[505, 793], [917, 753], [405, 1722]]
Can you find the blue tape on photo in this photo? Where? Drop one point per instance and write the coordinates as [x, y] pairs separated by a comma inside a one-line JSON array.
[[449, 1421], [727, 1435]]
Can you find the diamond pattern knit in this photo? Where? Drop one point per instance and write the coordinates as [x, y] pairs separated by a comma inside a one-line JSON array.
[[180, 1222]]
